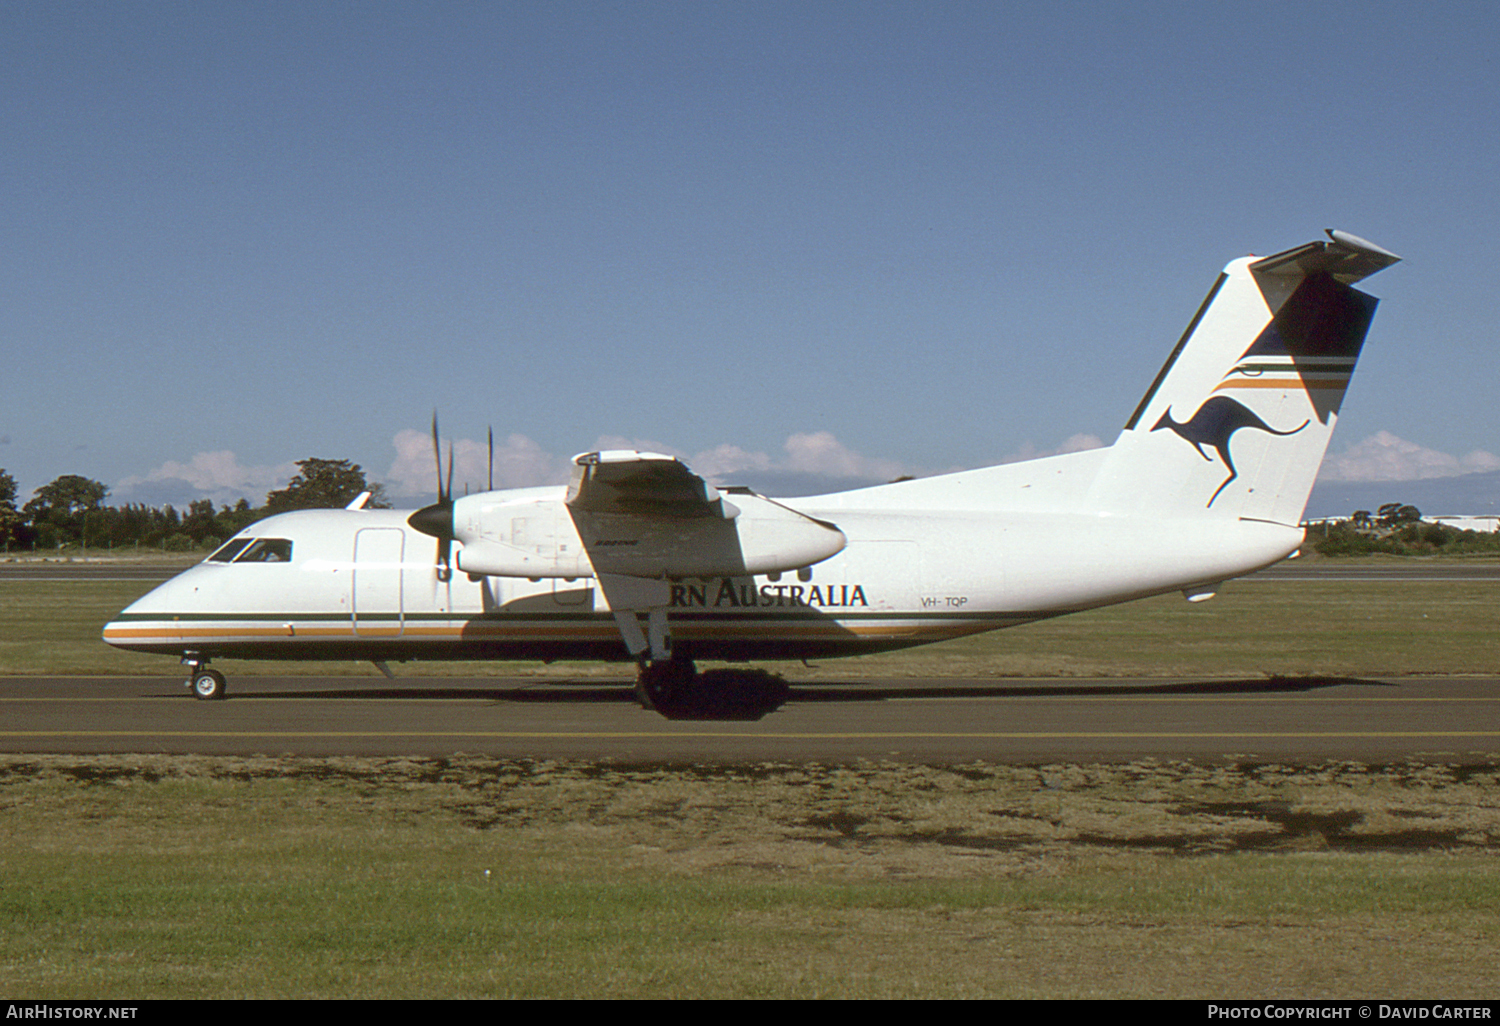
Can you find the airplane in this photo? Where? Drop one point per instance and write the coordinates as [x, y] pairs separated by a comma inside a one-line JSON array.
[[640, 559]]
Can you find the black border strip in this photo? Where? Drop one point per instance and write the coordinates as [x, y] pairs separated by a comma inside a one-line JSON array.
[[1181, 344]]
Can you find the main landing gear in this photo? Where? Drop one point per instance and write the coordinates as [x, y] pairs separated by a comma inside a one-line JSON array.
[[207, 685], [667, 685], [675, 688]]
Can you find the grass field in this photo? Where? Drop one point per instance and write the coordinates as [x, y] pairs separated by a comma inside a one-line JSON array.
[[158, 877], [162, 877], [1361, 628]]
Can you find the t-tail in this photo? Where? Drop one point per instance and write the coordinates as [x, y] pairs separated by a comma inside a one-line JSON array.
[[1237, 422]]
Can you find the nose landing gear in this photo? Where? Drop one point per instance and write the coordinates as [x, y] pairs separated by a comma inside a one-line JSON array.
[[207, 685]]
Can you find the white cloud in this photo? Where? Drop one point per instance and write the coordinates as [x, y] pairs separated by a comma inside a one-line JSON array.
[[214, 475], [726, 459], [1384, 457], [809, 459], [819, 452], [814, 459], [1074, 443], [519, 462]]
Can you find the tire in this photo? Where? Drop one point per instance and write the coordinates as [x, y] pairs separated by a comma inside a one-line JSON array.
[[208, 685], [666, 686]]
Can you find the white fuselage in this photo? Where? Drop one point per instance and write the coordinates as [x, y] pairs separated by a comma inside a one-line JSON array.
[[361, 584]]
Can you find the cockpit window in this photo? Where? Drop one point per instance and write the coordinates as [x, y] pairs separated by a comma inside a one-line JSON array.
[[267, 550], [229, 550]]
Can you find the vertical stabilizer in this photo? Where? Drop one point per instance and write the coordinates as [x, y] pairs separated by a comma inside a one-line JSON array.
[[1237, 422]]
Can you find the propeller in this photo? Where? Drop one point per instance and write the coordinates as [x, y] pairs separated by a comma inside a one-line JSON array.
[[437, 520]]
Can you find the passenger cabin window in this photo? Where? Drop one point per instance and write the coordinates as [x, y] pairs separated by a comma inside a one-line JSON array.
[[267, 550], [230, 549]]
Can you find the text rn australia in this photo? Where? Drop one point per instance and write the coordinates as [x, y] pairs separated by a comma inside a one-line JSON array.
[[730, 594]]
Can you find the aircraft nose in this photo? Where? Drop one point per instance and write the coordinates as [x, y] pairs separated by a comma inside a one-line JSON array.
[[149, 619]]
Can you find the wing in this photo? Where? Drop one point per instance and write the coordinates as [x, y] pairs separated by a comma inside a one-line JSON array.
[[645, 519], [638, 514], [647, 515], [644, 484]]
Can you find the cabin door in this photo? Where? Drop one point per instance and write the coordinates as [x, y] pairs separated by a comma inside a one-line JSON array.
[[376, 582]]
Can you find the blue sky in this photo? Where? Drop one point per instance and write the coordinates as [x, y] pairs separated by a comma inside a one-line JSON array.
[[788, 241]]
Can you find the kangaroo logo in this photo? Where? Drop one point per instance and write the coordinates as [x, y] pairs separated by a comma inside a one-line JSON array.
[[1215, 424]]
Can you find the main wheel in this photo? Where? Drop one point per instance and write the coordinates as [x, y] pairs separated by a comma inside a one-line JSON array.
[[208, 685], [665, 686]]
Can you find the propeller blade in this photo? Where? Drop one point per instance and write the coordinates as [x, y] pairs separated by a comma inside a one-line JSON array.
[[437, 458], [436, 520], [491, 483]]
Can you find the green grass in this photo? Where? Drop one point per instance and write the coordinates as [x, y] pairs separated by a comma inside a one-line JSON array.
[[365, 928], [150, 877], [156, 877], [1358, 628]]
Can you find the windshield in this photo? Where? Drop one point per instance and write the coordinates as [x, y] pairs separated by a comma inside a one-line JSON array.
[[228, 550], [267, 550]]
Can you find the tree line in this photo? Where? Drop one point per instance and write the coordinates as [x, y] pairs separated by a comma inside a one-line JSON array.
[[1397, 529], [70, 511]]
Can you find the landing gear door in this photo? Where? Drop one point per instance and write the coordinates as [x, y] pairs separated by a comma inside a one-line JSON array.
[[376, 583]]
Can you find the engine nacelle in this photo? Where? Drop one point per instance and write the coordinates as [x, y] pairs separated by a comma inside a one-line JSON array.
[[547, 538], [764, 537], [496, 559]]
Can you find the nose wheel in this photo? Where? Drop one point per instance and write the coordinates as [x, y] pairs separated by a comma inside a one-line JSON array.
[[207, 685]]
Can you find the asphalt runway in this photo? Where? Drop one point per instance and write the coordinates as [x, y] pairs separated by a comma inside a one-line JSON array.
[[938, 721], [1294, 720], [100, 570]]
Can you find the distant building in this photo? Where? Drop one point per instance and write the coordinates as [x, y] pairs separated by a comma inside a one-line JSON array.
[[1485, 522], [1489, 522]]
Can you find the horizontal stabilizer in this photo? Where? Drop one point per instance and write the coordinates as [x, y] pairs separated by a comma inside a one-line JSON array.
[[1346, 258]]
